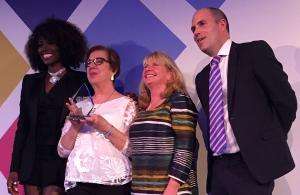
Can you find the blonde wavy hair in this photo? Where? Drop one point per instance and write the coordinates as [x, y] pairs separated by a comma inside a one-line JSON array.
[[176, 83]]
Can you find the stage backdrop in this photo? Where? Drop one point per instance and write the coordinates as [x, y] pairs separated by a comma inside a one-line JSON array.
[[135, 28]]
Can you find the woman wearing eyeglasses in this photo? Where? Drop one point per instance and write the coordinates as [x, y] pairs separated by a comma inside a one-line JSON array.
[[96, 145], [52, 52]]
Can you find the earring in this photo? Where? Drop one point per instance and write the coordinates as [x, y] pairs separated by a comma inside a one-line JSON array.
[[112, 77]]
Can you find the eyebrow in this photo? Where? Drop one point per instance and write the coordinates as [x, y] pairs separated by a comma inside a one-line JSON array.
[[153, 64], [198, 23]]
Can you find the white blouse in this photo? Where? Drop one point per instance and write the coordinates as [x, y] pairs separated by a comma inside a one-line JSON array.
[[94, 159]]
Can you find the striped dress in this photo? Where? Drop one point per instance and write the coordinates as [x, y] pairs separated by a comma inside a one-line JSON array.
[[164, 145]]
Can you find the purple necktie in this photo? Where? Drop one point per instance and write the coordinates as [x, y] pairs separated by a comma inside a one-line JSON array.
[[216, 109]]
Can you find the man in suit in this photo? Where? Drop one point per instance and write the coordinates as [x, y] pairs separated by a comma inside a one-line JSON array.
[[250, 107]]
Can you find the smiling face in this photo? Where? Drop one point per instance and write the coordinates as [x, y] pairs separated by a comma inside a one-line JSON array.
[[209, 33], [99, 73], [48, 52], [155, 73]]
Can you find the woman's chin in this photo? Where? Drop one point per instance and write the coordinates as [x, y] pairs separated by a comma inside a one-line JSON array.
[[92, 81]]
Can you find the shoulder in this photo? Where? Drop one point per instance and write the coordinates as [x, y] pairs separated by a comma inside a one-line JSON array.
[[32, 77], [179, 99], [77, 78], [253, 45], [178, 96], [77, 74], [122, 104], [130, 106], [127, 101]]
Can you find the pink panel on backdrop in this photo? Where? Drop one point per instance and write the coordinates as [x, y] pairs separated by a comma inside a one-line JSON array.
[[6, 145]]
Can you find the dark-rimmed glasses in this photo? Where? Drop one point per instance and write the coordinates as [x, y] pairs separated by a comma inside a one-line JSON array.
[[96, 61]]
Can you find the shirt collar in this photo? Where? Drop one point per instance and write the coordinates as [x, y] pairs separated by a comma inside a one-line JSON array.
[[225, 49]]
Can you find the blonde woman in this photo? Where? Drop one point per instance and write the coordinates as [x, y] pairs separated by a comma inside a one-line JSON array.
[[164, 144]]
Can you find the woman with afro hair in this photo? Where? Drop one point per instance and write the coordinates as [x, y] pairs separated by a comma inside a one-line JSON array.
[[54, 49]]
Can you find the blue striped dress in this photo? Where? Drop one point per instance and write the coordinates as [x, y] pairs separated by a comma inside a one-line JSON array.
[[164, 145]]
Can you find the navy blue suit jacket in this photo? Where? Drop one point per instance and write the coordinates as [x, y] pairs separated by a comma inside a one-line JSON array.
[[261, 106]]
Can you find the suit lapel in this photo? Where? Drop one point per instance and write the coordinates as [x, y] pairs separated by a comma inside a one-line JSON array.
[[202, 88], [231, 75], [206, 92], [37, 87]]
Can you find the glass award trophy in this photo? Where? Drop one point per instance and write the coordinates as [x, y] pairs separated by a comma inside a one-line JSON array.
[[84, 102]]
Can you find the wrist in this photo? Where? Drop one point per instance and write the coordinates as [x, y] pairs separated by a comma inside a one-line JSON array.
[[76, 128], [108, 132], [173, 183]]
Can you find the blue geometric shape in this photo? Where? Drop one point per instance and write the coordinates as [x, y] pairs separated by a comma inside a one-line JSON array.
[[133, 31], [32, 12], [198, 4]]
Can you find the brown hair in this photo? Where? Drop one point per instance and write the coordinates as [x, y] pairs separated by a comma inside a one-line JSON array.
[[113, 57], [175, 84], [218, 15]]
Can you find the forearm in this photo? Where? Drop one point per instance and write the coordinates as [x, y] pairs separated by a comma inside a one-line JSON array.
[[173, 183], [19, 142], [16, 156], [172, 187], [68, 139], [184, 117], [20, 134], [117, 138], [184, 147]]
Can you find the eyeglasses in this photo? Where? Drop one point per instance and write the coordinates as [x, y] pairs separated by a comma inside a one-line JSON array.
[[96, 61]]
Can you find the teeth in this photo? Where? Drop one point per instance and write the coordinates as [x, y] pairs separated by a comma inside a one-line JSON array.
[[150, 75], [47, 55]]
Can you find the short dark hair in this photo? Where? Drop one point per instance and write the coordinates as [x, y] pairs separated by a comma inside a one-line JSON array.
[[68, 38], [218, 15], [113, 57]]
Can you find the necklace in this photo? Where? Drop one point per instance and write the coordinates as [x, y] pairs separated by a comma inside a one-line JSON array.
[[108, 97], [55, 76]]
